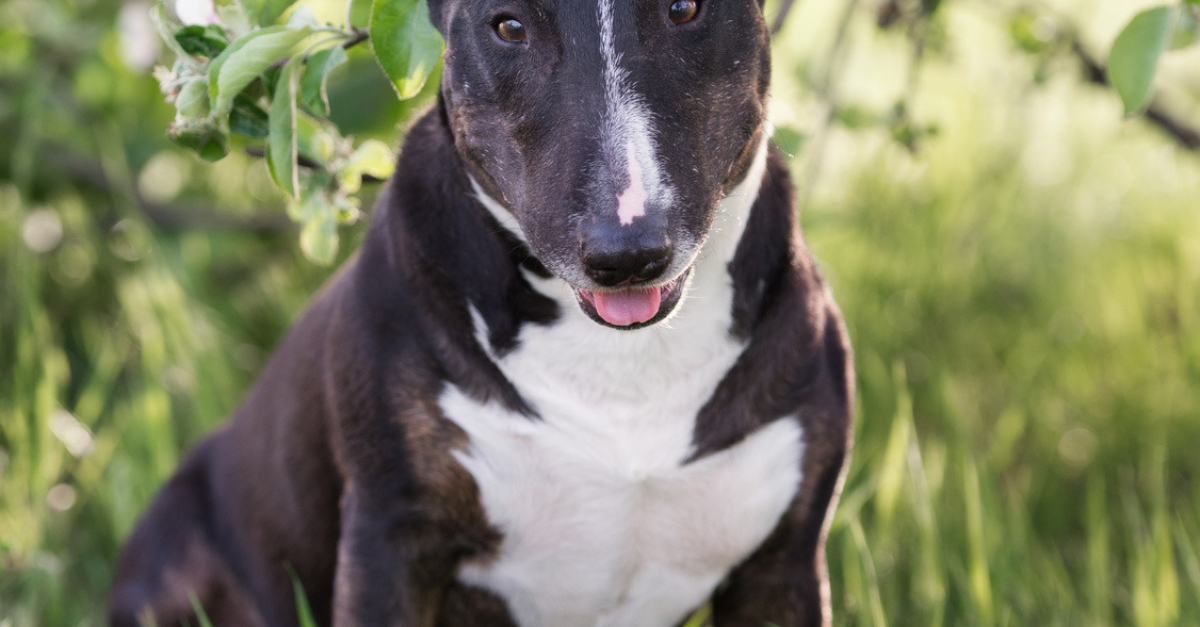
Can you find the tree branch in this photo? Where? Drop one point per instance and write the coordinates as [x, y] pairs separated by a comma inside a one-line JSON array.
[[827, 90], [305, 162], [360, 35], [1183, 133], [781, 15]]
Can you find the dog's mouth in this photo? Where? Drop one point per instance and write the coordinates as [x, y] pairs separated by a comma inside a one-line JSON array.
[[632, 306]]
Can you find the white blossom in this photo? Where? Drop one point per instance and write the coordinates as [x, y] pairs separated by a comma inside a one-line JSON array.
[[196, 12], [139, 43]]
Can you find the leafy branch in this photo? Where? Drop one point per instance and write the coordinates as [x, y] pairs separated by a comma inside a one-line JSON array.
[[1132, 61], [1155, 113], [240, 76], [360, 35], [1130, 70]]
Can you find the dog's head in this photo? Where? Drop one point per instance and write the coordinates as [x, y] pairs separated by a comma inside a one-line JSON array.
[[610, 129]]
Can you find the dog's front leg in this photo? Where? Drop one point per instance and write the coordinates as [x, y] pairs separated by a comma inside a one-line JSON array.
[[379, 581], [779, 585], [784, 583]]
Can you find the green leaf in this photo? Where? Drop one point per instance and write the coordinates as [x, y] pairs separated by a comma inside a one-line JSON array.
[[406, 45], [788, 139], [373, 157], [303, 17], [313, 86], [1187, 30], [249, 119], [235, 20], [319, 236], [202, 41], [192, 100], [1032, 32], [245, 60], [270, 78], [166, 30], [317, 139], [1134, 57], [206, 141], [265, 12], [348, 208], [281, 147], [358, 13], [299, 210], [857, 117]]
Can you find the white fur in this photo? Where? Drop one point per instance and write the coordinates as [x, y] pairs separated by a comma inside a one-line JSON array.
[[502, 215], [603, 523], [498, 212], [631, 203], [629, 135]]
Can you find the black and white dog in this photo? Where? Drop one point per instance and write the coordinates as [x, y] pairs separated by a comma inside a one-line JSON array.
[[583, 371]]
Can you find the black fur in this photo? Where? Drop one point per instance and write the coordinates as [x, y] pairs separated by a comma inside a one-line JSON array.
[[338, 468]]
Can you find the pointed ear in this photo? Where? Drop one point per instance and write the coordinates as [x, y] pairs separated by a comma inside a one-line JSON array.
[[436, 16]]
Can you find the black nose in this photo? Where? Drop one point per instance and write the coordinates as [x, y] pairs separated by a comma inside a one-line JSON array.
[[613, 258]]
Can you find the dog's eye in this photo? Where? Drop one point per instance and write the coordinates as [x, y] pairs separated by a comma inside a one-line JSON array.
[[683, 11], [510, 30]]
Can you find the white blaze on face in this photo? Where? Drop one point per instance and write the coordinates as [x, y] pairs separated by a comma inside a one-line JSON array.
[[627, 130], [631, 203]]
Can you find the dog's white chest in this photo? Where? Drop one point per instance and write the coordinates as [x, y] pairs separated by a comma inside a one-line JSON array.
[[594, 542], [603, 523]]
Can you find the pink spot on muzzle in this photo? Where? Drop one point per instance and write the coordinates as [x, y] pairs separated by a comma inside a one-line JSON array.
[[631, 203]]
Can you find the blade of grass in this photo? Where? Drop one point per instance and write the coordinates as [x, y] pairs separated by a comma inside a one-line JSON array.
[[980, 579], [201, 616], [878, 618], [1099, 561]]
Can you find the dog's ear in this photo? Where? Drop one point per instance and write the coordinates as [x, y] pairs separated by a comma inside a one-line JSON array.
[[436, 8]]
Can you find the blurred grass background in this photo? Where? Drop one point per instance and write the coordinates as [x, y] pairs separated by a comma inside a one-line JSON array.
[[1019, 269]]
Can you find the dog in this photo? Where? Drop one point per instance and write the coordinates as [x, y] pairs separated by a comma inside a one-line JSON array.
[[583, 370]]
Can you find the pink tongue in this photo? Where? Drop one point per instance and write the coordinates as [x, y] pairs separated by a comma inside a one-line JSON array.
[[628, 306]]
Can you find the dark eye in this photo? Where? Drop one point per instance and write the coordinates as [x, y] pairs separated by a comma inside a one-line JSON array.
[[683, 11], [510, 30]]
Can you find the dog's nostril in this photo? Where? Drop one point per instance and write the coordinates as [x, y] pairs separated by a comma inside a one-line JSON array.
[[657, 261], [615, 267]]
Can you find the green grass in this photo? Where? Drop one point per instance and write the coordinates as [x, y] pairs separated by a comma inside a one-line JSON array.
[[1021, 293]]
